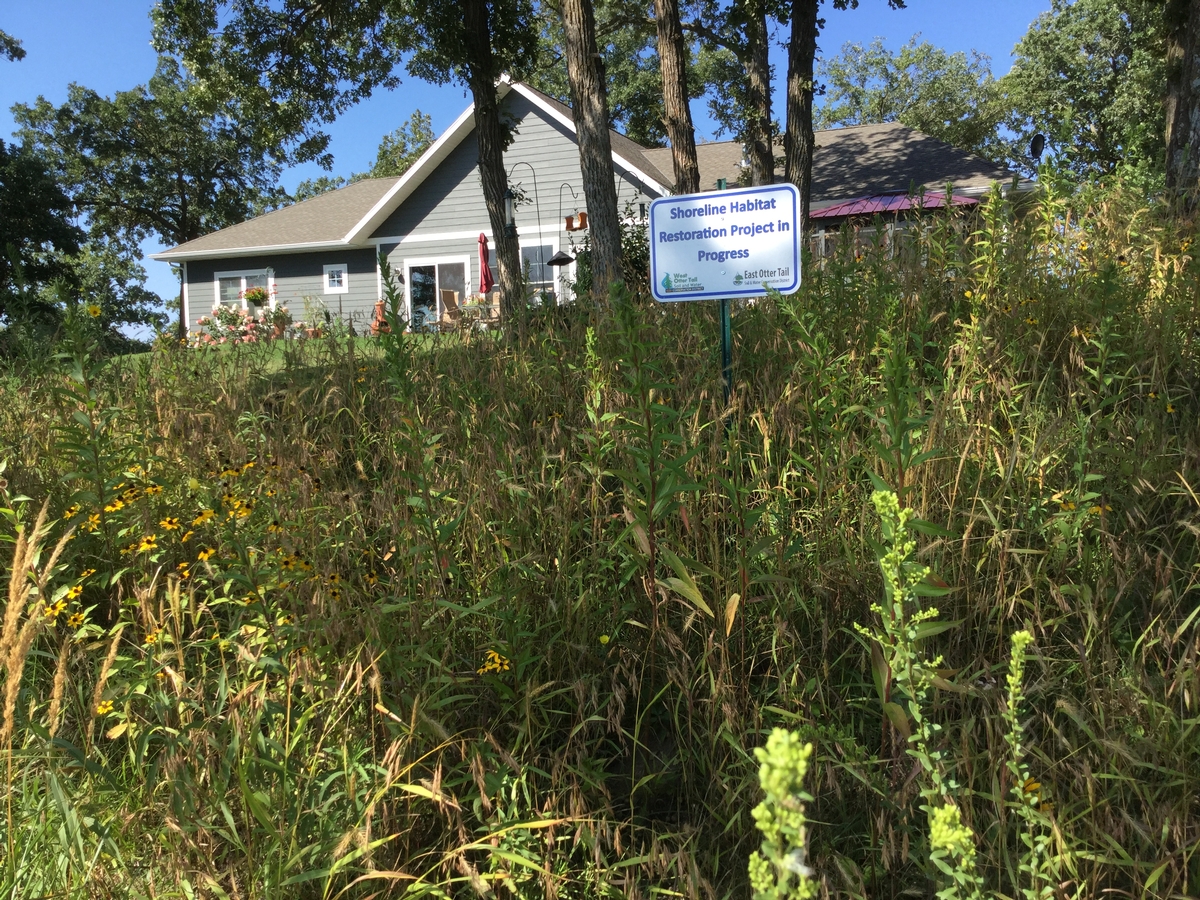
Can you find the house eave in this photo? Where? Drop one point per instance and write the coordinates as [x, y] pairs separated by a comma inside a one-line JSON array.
[[312, 246]]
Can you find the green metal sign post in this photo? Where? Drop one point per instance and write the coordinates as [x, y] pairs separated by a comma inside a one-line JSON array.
[[726, 349]]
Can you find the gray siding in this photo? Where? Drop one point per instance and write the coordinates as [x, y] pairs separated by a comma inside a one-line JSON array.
[[541, 159], [299, 277]]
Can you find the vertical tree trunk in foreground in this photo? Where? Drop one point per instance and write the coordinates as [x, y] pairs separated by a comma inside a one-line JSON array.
[[1183, 103], [672, 57], [492, 135], [759, 143], [589, 103], [799, 142]]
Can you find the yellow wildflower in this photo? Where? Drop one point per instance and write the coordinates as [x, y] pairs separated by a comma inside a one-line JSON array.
[[151, 638], [104, 707], [206, 553], [76, 619], [72, 512], [74, 591], [117, 504], [170, 523], [148, 543], [154, 489], [185, 537], [55, 609], [205, 515], [93, 310], [86, 573], [493, 662]]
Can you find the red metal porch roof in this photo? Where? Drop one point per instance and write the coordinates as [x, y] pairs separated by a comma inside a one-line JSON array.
[[889, 203]]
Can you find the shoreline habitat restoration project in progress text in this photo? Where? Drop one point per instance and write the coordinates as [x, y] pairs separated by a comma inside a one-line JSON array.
[[734, 243]]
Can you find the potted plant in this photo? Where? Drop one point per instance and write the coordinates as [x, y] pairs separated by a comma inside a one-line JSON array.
[[255, 297]]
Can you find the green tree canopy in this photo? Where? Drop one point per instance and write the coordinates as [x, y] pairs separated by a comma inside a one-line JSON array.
[[950, 96], [1092, 75], [35, 230], [162, 160]]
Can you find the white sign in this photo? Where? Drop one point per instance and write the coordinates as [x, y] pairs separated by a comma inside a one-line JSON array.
[[732, 243]]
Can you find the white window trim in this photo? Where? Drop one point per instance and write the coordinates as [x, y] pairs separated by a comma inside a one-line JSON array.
[[437, 297], [243, 274], [333, 267]]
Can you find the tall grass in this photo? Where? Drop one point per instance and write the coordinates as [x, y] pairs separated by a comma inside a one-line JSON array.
[[487, 614]]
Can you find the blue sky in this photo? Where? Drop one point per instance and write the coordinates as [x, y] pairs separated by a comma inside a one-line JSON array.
[[106, 46]]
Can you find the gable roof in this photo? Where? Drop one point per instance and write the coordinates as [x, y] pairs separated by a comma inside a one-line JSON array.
[[859, 161]]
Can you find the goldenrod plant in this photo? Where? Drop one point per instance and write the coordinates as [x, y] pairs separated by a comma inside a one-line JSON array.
[[779, 870]]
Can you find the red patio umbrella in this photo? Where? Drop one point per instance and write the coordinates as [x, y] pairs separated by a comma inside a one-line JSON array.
[[486, 281]]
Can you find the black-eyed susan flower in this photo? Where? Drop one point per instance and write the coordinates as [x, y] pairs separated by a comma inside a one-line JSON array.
[[54, 610], [92, 523], [86, 573], [335, 594], [170, 523], [372, 578], [270, 492], [274, 527], [76, 619], [116, 504], [186, 536], [288, 563], [204, 516], [154, 489], [493, 662], [93, 310], [151, 638], [72, 512], [129, 495], [335, 578], [74, 591], [206, 553], [1170, 409], [147, 543]]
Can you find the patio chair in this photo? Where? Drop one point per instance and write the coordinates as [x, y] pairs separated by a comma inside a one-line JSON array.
[[451, 313]]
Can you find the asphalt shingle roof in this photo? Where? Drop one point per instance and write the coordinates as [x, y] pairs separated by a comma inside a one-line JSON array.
[[323, 219]]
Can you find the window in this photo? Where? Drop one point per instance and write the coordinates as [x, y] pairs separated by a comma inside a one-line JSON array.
[[534, 266], [337, 279], [229, 288]]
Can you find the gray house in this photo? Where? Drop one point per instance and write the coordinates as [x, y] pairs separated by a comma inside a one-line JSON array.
[[322, 253]]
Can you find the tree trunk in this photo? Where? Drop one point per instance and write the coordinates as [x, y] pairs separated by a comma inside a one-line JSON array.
[[799, 141], [759, 143], [589, 102], [672, 57], [1183, 103], [492, 136]]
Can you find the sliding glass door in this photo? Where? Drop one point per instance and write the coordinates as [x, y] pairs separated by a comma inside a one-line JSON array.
[[426, 280]]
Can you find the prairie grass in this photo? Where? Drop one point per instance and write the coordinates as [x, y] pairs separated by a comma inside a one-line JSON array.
[[510, 615]]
